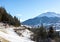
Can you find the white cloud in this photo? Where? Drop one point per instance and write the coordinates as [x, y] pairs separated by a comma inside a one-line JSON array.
[[21, 20], [19, 17]]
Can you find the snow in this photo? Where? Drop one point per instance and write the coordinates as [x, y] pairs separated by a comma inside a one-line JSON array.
[[27, 26], [58, 30], [26, 33], [49, 14], [11, 36]]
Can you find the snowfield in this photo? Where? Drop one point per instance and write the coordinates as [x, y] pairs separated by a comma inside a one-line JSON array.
[[11, 36]]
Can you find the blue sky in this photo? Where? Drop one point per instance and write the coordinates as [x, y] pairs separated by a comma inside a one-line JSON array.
[[26, 9]]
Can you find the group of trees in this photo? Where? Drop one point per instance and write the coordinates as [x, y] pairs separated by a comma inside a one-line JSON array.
[[41, 33], [7, 18]]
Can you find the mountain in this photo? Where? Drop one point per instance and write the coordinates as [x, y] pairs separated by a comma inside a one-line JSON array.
[[45, 18], [49, 14]]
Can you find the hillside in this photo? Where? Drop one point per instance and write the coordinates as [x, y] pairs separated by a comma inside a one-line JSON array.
[[9, 35], [45, 18], [7, 18]]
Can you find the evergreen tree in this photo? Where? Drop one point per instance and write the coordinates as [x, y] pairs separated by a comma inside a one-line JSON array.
[[0, 17], [51, 33], [40, 34], [17, 22], [7, 18]]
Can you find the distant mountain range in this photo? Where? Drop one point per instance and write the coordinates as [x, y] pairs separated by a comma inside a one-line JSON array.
[[45, 18]]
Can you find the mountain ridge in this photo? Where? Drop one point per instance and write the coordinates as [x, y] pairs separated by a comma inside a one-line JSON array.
[[43, 18], [49, 14]]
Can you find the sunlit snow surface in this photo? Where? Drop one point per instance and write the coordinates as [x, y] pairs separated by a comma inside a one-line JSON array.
[[11, 36]]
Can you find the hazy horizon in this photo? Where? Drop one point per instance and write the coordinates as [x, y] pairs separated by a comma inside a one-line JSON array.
[[26, 9]]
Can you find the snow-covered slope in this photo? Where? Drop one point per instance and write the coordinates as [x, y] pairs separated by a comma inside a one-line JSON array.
[[45, 18], [49, 14], [9, 35]]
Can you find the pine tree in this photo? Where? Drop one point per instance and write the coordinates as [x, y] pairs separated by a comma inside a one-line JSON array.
[[7, 18], [0, 17], [17, 22], [40, 34], [51, 33]]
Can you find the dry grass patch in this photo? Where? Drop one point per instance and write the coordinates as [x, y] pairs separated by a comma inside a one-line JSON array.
[[3, 40]]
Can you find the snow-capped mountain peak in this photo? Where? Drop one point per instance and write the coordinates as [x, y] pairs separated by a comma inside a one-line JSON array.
[[49, 14], [46, 18]]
